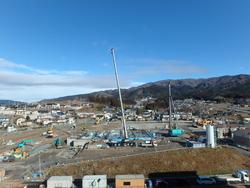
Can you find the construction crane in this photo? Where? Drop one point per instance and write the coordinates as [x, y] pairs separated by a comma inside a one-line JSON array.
[[125, 132], [173, 127], [124, 139]]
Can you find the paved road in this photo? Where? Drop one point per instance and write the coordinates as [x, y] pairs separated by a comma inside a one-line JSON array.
[[242, 151], [18, 169], [239, 110]]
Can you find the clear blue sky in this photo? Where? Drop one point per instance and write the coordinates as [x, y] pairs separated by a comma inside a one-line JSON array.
[[51, 48]]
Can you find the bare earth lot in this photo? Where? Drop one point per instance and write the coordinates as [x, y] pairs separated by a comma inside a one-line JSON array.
[[203, 161]]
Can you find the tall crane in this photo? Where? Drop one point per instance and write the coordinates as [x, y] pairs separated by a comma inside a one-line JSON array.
[[124, 125], [170, 108], [173, 128]]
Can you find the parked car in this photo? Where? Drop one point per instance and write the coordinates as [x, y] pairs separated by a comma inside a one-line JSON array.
[[160, 183], [9, 158], [205, 180]]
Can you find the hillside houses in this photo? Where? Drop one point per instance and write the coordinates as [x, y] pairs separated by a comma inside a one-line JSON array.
[[7, 111], [4, 121], [38, 115]]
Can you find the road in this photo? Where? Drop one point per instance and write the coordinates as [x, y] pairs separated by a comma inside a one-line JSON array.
[[242, 151], [239, 110], [50, 158]]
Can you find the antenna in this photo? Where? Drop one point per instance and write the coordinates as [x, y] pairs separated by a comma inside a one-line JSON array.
[[120, 96]]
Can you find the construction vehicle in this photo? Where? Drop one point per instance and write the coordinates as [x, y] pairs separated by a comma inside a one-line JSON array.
[[50, 133], [116, 141], [148, 143], [173, 126], [83, 128], [24, 143], [99, 118], [204, 122], [122, 139], [124, 125], [18, 151], [57, 143], [20, 154]]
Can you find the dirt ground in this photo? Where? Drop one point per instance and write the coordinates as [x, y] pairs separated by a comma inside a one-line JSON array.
[[203, 161]]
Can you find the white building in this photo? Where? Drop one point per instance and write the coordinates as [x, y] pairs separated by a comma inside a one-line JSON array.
[[20, 112], [33, 115], [71, 120], [20, 121], [94, 181], [11, 129], [7, 111], [60, 181]]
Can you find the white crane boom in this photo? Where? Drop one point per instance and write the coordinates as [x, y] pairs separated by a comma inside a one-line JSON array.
[[125, 132]]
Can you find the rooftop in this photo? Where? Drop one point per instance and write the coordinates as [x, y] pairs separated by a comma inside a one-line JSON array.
[[93, 177], [229, 126], [129, 176], [61, 178], [243, 131]]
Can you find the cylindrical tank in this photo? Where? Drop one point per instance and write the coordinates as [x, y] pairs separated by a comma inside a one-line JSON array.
[[210, 136]]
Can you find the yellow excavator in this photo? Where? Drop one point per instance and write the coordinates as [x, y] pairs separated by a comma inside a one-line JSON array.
[[204, 122], [83, 128], [50, 133]]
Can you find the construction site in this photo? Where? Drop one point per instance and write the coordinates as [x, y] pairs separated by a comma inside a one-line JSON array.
[[92, 143]]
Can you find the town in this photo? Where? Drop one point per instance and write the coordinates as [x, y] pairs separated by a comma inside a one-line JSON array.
[[38, 137], [124, 94]]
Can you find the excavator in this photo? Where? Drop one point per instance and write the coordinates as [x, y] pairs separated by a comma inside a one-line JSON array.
[[18, 152], [57, 143], [204, 122], [50, 133]]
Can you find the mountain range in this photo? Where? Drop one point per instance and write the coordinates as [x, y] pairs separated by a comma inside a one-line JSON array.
[[215, 88]]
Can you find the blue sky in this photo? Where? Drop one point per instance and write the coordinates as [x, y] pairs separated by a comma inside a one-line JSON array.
[[52, 48]]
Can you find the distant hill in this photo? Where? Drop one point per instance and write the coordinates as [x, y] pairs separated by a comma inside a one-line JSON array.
[[10, 102], [216, 88]]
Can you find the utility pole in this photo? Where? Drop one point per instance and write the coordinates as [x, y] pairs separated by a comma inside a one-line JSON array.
[[125, 132], [40, 168]]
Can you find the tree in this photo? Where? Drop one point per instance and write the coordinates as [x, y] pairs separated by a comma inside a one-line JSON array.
[[27, 118]]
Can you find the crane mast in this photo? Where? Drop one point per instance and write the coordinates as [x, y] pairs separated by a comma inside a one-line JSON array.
[[125, 132], [170, 107]]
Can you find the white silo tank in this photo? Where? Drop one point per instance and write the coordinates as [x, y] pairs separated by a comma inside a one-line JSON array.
[[210, 136]]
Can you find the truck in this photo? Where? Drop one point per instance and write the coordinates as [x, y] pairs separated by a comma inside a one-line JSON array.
[[9, 158], [116, 141], [237, 176], [148, 143], [243, 174]]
